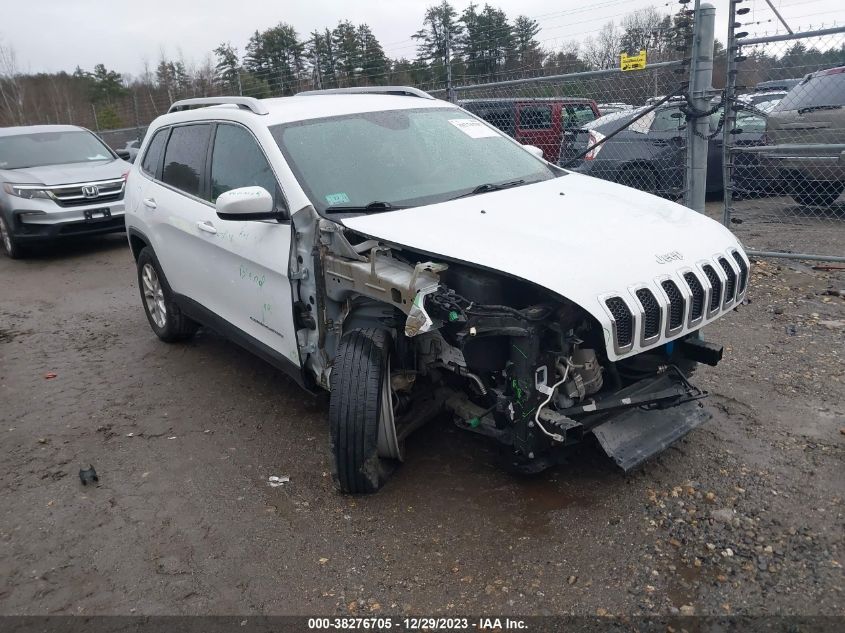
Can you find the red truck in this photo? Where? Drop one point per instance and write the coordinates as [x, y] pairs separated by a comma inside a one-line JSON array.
[[531, 121]]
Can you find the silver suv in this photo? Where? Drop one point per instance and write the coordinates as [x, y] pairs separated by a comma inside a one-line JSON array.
[[57, 181]]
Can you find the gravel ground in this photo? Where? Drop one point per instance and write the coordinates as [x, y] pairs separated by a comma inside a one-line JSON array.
[[744, 516]]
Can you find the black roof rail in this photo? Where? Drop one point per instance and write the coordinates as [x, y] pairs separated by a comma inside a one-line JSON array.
[[402, 91], [247, 103]]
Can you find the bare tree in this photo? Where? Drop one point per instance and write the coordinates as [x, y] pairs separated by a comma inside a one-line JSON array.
[[602, 51], [11, 88]]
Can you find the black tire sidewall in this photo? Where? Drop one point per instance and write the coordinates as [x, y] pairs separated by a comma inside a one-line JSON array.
[[354, 411], [16, 251]]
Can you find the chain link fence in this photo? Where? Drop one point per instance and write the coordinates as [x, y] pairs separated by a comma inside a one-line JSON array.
[[784, 137], [624, 126]]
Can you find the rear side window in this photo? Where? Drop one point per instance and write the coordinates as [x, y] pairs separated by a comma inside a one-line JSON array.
[[668, 120], [535, 118], [818, 91], [237, 161], [185, 156], [152, 158], [498, 116], [577, 115]]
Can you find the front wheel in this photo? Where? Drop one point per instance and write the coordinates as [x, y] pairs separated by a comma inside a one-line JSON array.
[[818, 194], [165, 317], [12, 249], [361, 415], [641, 178]]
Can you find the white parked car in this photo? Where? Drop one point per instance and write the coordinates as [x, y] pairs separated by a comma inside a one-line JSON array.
[[411, 259]]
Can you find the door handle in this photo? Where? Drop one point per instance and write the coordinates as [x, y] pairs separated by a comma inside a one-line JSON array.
[[150, 203], [207, 226]]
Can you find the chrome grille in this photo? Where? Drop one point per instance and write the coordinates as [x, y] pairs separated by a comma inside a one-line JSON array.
[[676, 304], [651, 323], [698, 295], [730, 284], [624, 321], [743, 272], [80, 194], [716, 285]]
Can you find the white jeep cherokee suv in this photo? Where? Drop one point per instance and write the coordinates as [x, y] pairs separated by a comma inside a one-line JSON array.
[[411, 259]]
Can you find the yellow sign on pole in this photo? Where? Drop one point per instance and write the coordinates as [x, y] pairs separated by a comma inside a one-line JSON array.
[[632, 62]]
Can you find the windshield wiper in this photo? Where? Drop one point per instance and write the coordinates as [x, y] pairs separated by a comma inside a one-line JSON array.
[[373, 207], [490, 186], [818, 107]]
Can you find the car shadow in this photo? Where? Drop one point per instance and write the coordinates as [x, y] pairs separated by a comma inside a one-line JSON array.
[[70, 247]]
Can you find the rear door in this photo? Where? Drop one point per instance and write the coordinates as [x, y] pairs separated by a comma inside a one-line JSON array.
[[667, 139], [536, 125], [178, 204]]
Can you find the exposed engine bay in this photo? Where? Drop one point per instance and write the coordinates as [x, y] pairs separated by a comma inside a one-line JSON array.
[[508, 359]]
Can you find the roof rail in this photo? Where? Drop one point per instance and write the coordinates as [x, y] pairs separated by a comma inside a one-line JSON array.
[[247, 103], [402, 91]]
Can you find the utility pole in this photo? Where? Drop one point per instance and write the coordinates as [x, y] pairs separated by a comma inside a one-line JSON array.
[[96, 122], [137, 117], [700, 92], [450, 93]]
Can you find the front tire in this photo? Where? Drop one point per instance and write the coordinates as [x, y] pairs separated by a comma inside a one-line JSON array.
[[165, 317], [8, 243], [357, 411], [641, 178], [818, 194]]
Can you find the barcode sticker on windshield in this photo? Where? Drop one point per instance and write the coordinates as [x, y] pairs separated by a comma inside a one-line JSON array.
[[473, 128]]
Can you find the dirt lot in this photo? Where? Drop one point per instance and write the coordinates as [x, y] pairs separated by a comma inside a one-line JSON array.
[[743, 516]]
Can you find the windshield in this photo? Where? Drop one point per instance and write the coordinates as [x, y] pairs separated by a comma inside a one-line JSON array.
[[820, 90], [619, 119], [51, 148], [401, 157]]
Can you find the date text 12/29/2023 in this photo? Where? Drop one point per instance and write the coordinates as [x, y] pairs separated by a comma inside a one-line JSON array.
[[416, 624]]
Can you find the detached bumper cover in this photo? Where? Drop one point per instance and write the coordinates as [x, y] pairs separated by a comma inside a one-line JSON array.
[[633, 436]]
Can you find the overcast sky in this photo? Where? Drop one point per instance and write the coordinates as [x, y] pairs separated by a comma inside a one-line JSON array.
[[52, 35]]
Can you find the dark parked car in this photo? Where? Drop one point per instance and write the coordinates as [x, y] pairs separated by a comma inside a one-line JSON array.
[[540, 122], [648, 154], [812, 113]]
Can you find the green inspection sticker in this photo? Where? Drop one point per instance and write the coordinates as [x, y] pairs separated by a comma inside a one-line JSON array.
[[337, 198]]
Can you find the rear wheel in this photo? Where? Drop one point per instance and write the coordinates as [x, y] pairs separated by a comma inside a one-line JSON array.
[[165, 317], [818, 194], [361, 412], [12, 249], [641, 178]]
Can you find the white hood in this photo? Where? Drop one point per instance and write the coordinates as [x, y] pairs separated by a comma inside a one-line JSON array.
[[578, 236]]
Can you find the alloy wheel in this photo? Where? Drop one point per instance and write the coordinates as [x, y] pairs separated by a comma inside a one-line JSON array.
[[154, 295]]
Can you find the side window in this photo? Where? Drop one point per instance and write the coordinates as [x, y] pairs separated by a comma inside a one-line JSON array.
[[152, 158], [535, 118], [500, 117], [237, 161], [185, 156], [577, 115], [667, 120]]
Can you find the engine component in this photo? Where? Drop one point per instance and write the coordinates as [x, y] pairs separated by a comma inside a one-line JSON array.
[[474, 285], [586, 378]]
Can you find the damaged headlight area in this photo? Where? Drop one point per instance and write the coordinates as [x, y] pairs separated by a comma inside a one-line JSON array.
[[510, 360]]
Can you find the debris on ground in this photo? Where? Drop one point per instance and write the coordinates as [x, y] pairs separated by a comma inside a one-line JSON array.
[[276, 481], [88, 476]]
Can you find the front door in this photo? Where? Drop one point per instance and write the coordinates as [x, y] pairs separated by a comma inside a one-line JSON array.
[[248, 260]]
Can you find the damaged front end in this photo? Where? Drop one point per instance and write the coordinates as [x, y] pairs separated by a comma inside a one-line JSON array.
[[508, 359]]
